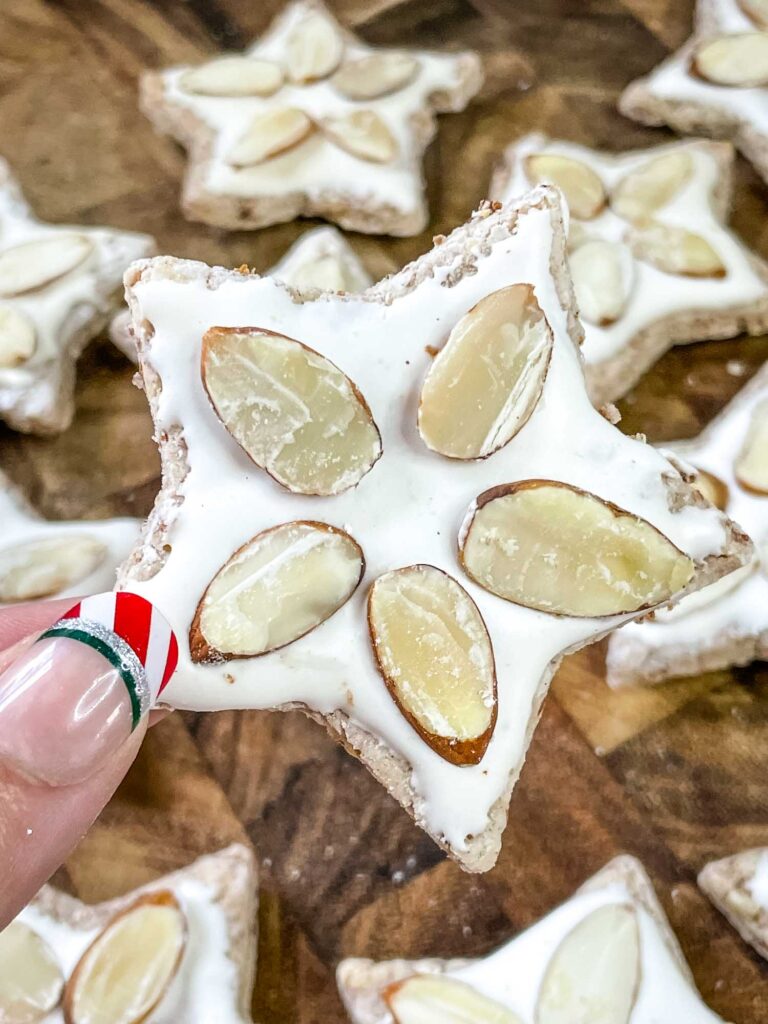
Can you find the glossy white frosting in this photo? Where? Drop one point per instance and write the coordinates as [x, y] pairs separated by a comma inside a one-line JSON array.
[[673, 80], [512, 975], [757, 885], [315, 258], [316, 167], [64, 307], [407, 510], [655, 295], [20, 524], [205, 988], [741, 611]]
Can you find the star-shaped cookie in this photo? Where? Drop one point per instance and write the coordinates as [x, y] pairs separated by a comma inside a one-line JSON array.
[[738, 886], [653, 261], [320, 260], [727, 623], [607, 954], [182, 948], [58, 286], [41, 559], [398, 510], [309, 121], [717, 84]]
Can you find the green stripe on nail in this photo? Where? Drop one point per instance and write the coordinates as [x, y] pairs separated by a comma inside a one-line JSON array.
[[131, 683]]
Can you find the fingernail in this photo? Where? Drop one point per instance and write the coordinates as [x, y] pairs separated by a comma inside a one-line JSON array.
[[74, 697]]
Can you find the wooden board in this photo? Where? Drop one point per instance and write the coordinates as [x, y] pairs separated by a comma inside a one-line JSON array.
[[675, 775]]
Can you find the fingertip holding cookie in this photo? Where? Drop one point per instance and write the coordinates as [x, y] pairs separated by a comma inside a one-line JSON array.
[[75, 696]]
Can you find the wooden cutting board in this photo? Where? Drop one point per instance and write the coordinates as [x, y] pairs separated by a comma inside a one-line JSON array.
[[675, 775]]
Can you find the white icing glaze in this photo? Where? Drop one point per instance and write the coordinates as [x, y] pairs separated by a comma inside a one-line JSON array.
[[757, 885], [316, 166], [673, 81], [321, 245], [407, 510], [63, 308], [19, 524], [513, 974], [743, 610], [297, 268], [205, 988], [654, 295]]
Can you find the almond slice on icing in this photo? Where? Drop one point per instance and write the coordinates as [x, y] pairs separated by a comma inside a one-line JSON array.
[[42, 568], [273, 590], [486, 380], [549, 546], [378, 75], [712, 487], [594, 974], [363, 134], [436, 658], [270, 134], [602, 274], [436, 999], [233, 76], [30, 976], [18, 337], [739, 60], [314, 50], [580, 185], [33, 265], [752, 461], [652, 185], [326, 273], [290, 409], [676, 251], [757, 10], [129, 966]]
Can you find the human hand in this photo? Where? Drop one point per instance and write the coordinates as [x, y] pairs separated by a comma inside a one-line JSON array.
[[70, 727]]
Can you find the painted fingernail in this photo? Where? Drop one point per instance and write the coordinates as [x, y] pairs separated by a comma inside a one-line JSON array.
[[75, 696]]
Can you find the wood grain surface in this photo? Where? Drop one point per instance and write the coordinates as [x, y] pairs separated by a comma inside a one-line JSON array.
[[675, 775]]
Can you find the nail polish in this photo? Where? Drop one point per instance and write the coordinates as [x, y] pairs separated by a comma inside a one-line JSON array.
[[76, 695]]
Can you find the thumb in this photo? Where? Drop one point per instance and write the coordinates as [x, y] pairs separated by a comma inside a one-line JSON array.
[[74, 708]]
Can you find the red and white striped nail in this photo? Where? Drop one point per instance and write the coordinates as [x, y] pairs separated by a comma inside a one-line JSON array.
[[76, 695]]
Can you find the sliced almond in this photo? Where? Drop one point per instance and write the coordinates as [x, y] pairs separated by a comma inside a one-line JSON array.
[[30, 976], [363, 134], [752, 462], [18, 337], [273, 590], [739, 60], [270, 134], [707, 595], [315, 48], [602, 279], [676, 251], [291, 410], [486, 380], [128, 967], [33, 265], [436, 999], [233, 76], [435, 655], [378, 75], [546, 545], [594, 974], [42, 568], [326, 273], [713, 489], [580, 185], [654, 184], [757, 10]]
